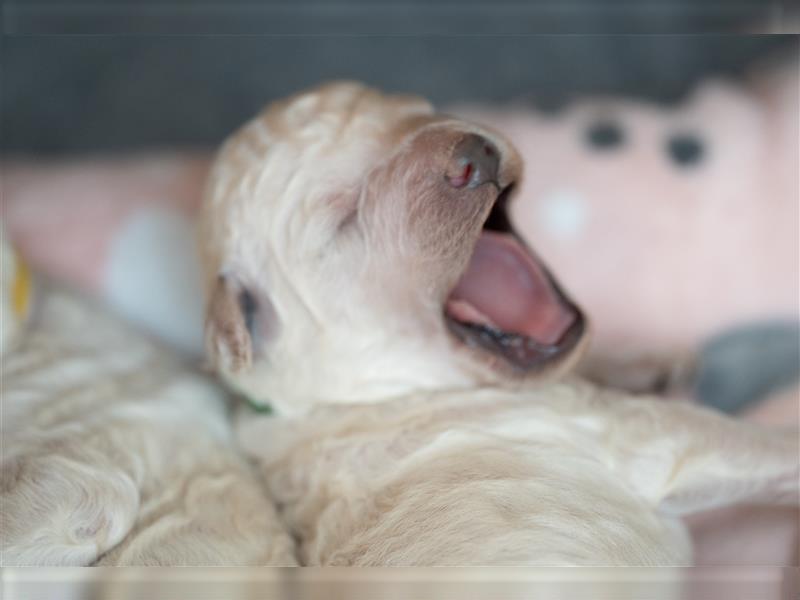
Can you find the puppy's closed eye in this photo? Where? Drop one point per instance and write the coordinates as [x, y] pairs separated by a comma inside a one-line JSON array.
[[248, 306]]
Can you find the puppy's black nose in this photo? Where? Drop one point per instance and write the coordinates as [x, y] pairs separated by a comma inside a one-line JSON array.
[[475, 161]]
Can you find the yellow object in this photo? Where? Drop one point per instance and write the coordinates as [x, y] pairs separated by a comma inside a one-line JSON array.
[[21, 289]]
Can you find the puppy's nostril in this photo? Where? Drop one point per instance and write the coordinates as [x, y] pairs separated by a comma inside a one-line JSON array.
[[475, 161], [463, 178]]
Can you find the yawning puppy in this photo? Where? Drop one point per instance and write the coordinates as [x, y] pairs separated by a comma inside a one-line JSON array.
[[363, 279], [113, 452]]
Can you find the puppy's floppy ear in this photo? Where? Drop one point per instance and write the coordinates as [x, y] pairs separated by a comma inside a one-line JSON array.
[[236, 322], [687, 459]]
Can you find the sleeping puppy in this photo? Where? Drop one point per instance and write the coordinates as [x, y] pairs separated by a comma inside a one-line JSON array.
[[363, 279], [113, 452]]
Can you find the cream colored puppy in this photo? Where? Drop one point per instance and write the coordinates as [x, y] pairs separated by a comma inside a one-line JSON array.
[[113, 452], [364, 280]]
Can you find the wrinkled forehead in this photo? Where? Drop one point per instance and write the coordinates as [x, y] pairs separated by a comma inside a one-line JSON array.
[[339, 109], [344, 127], [333, 119], [336, 131]]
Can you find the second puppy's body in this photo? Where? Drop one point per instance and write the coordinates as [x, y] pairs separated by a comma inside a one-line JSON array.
[[115, 453]]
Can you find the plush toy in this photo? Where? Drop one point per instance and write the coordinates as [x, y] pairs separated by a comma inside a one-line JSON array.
[[676, 228]]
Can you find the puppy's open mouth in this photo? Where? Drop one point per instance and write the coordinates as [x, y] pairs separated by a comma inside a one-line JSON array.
[[507, 303]]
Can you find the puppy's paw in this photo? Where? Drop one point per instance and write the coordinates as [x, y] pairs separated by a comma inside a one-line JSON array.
[[58, 511]]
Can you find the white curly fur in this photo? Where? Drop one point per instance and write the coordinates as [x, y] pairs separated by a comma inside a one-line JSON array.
[[114, 453]]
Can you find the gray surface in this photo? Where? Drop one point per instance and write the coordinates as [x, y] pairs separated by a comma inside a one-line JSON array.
[[98, 93], [390, 17]]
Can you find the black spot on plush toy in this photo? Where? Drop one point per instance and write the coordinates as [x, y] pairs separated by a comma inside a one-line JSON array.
[[685, 149], [605, 135]]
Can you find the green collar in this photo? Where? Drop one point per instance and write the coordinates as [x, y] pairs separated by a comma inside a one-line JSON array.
[[263, 409]]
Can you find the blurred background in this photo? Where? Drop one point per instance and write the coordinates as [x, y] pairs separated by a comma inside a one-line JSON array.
[[114, 76]]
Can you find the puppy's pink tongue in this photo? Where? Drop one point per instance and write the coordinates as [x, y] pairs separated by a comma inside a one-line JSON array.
[[506, 289]]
